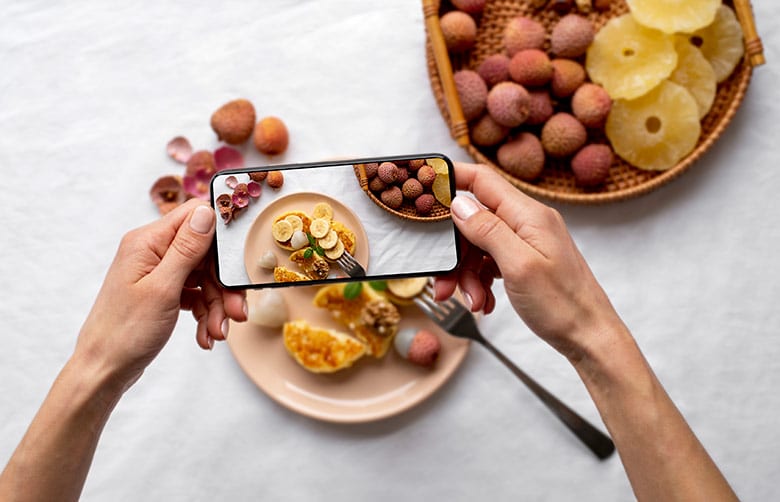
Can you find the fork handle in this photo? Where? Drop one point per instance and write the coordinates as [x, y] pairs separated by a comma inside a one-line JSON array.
[[598, 442]]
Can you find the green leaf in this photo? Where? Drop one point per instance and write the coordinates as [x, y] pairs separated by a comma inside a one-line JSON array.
[[308, 253], [378, 285], [319, 250], [352, 290], [312, 240]]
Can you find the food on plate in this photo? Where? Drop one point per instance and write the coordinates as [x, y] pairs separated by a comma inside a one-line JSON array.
[[267, 260], [459, 30], [322, 210], [321, 350], [299, 239], [571, 36], [284, 274], [268, 309], [275, 179], [271, 136], [319, 227], [329, 241], [406, 288], [282, 231], [721, 42], [472, 92], [420, 347], [672, 16], [563, 135], [346, 236], [335, 252], [294, 220], [312, 264], [591, 165], [234, 121], [370, 316], [695, 73]]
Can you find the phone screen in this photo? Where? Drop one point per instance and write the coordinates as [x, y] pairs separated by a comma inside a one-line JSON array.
[[363, 219]]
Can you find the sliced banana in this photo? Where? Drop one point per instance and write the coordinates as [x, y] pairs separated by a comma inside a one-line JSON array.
[[329, 241], [319, 228], [295, 221], [282, 230], [336, 251], [322, 210], [407, 288]]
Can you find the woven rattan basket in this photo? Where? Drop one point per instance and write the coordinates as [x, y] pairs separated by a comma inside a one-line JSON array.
[[407, 211], [557, 181]]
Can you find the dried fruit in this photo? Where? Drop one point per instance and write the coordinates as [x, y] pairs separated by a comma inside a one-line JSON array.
[[392, 197], [591, 165], [696, 74], [530, 67], [567, 77], [523, 33], [459, 30], [226, 157], [233, 122], [487, 132], [571, 36], [628, 59], [656, 130], [275, 179], [673, 16], [508, 104], [424, 203], [167, 193], [721, 42], [591, 105], [472, 92], [522, 157], [179, 149], [271, 136], [441, 189], [494, 69], [563, 135]]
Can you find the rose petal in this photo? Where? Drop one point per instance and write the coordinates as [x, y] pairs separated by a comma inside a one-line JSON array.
[[167, 193], [179, 149], [201, 161], [231, 181], [254, 189], [228, 158]]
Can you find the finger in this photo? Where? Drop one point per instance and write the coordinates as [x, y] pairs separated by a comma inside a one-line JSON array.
[[472, 289], [217, 319], [188, 247], [200, 313], [235, 304], [444, 286], [490, 302], [189, 297]]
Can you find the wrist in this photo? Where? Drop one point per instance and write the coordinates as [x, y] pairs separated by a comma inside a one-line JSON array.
[[97, 385]]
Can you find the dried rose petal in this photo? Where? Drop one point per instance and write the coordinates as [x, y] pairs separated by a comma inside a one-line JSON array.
[[201, 161], [231, 182], [179, 149], [258, 176], [197, 185], [254, 189], [228, 158], [167, 192]]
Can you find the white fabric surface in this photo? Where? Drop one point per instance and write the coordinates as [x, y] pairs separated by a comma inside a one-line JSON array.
[[91, 91]]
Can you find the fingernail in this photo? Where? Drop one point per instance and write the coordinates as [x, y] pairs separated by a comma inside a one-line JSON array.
[[202, 219], [469, 300], [225, 327], [463, 207], [245, 307], [211, 342]]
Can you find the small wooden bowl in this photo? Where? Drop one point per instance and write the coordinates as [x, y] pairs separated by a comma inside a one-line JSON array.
[[407, 211], [557, 181]]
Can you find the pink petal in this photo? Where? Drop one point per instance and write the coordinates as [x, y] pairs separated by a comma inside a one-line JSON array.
[[228, 158], [201, 160], [231, 181], [167, 193], [240, 200], [179, 149], [254, 188], [196, 186], [241, 189]]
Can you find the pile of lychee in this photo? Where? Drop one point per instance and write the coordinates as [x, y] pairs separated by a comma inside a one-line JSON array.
[[527, 106], [403, 181]]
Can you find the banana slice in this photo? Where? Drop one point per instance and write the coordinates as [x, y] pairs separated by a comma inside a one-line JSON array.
[[295, 221], [282, 230], [407, 288], [322, 210], [329, 241], [336, 251], [319, 228]]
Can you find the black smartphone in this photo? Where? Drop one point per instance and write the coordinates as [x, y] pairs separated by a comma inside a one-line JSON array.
[[351, 220]]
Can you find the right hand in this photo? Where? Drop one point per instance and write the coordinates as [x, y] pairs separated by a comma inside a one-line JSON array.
[[546, 278]]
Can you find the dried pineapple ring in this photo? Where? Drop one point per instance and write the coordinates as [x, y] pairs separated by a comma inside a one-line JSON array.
[[441, 189], [322, 210], [674, 16], [282, 230], [721, 43], [295, 221], [695, 73], [655, 131], [319, 228], [439, 165], [329, 241]]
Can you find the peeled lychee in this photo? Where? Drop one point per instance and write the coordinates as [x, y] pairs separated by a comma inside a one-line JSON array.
[[508, 104], [567, 77], [540, 108], [530, 67], [412, 189], [487, 132], [275, 179], [234, 121], [387, 172], [271, 136], [591, 165], [424, 203], [470, 6], [426, 175], [472, 92], [522, 157], [563, 135], [523, 33], [392, 197], [459, 30], [591, 105], [419, 347], [571, 37], [494, 69]]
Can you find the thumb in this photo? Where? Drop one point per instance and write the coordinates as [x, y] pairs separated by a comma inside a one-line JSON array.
[[188, 247]]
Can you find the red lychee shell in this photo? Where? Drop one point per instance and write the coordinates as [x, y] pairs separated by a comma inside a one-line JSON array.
[[472, 92], [508, 104], [488, 132], [459, 30], [424, 349], [523, 157], [530, 67], [591, 165], [571, 37], [523, 33], [591, 105], [563, 135], [494, 69], [567, 77]]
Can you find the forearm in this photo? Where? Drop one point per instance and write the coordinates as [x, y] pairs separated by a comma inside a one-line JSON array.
[[663, 458], [52, 460]]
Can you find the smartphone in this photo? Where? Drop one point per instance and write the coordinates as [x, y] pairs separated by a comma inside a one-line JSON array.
[[351, 220]]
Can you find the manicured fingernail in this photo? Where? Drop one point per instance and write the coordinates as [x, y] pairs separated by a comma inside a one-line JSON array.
[[469, 300], [463, 207], [225, 327], [211, 342], [202, 219]]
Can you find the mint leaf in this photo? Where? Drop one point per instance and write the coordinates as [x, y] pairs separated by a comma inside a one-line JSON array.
[[378, 285], [308, 253], [352, 290]]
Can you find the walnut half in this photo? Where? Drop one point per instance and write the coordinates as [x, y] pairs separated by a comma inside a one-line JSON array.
[[380, 315]]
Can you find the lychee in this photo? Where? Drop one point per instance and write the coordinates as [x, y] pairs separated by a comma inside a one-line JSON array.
[[424, 203], [387, 172], [416, 164], [540, 107], [591, 165], [487, 132], [563, 135], [275, 179], [470, 6], [376, 184], [508, 104], [271, 136], [426, 175], [402, 174], [472, 92], [591, 105], [522, 157], [371, 169], [567, 77], [530, 67], [523, 33], [571, 37], [412, 188], [234, 121], [494, 69], [459, 30], [419, 347], [392, 197]]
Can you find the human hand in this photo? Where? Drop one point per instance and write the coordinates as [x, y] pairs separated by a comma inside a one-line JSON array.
[[512, 236], [159, 269]]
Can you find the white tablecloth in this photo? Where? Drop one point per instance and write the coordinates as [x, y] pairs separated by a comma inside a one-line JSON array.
[[91, 91]]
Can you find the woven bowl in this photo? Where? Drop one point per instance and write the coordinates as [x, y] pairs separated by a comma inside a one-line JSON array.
[[407, 211], [557, 181]]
